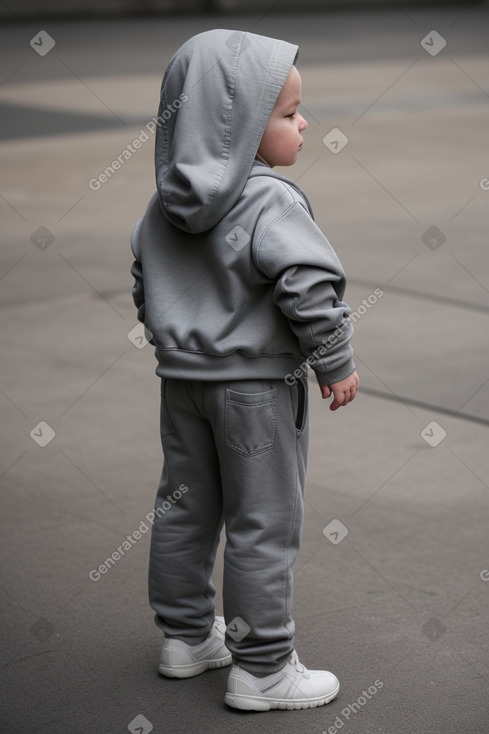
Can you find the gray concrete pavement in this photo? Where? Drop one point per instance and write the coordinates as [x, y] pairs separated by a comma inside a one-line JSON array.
[[398, 608]]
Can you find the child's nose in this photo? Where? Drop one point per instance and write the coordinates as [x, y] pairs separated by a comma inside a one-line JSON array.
[[303, 123]]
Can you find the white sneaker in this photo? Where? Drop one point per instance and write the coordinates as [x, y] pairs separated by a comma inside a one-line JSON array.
[[180, 660], [292, 687]]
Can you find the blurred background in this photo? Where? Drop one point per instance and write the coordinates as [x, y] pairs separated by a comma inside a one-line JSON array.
[[396, 166], [62, 8]]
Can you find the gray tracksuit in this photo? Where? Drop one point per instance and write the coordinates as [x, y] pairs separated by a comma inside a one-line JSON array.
[[239, 289]]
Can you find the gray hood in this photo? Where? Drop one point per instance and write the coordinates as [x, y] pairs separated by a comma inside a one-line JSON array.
[[217, 94]]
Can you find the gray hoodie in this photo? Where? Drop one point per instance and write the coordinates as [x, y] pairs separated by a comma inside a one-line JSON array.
[[233, 278]]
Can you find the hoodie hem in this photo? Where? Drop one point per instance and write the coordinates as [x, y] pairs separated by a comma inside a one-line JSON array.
[[178, 364]]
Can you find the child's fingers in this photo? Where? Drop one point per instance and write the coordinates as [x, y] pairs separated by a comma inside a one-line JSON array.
[[338, 401], [342, 397], [343, 391]]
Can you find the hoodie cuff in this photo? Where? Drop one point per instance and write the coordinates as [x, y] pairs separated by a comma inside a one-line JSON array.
[[328, 378]]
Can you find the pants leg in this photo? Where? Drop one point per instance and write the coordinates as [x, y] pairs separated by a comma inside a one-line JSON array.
[[188, 517], [261, 429], [241, 449]]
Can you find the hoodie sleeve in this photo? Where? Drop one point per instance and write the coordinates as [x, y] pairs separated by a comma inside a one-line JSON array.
[[137, 272], [309, 287]]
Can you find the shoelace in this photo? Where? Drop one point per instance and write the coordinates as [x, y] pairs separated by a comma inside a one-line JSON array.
[[220, 626], [294, 660]]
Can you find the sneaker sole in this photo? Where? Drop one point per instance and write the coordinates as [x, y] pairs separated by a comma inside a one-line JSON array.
[[257, 703], [188, 671]]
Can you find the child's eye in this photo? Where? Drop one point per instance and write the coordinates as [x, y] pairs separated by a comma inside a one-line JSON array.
[[291, 115]]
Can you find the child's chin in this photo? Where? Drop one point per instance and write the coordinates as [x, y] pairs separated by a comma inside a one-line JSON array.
[[286, 161]]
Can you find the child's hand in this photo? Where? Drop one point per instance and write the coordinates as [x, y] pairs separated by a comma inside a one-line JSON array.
[[344, 391]]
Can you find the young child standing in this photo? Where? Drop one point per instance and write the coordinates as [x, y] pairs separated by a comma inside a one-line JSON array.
[[240, 292]]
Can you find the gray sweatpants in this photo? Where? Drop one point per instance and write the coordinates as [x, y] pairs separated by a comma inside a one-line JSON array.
[[234, 453]]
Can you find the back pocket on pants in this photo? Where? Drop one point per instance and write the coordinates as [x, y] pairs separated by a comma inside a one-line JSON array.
[[250, 421]]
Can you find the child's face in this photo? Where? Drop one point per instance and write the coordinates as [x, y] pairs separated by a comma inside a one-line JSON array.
[[282, 138]]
